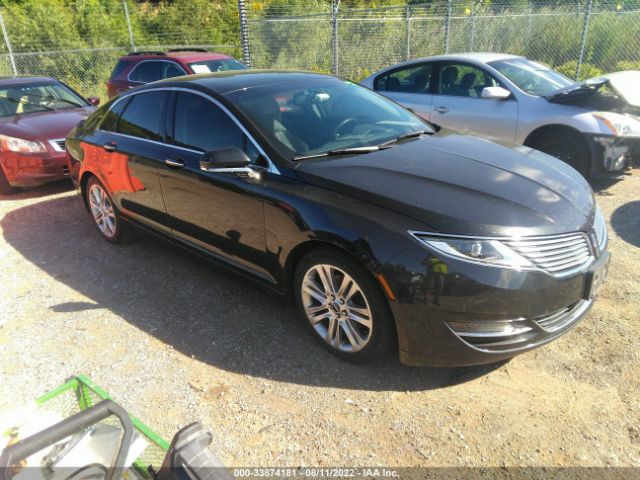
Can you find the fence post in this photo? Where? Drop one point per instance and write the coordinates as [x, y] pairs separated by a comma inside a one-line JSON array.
[[447, 27], [130, 30], [583, 39], [244, 33], [335, 5], [473, 28], [407, 54], [8, 43]]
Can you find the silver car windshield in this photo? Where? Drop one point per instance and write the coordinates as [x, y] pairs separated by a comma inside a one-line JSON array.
[[531, 77]]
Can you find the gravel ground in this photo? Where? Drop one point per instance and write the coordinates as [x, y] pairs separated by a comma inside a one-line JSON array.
[[175, 340]]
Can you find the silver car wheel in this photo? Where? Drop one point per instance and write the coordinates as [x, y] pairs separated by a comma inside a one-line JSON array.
[[102, 210], [337, 308]]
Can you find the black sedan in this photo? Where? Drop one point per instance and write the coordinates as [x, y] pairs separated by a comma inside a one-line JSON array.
[[458, 250]]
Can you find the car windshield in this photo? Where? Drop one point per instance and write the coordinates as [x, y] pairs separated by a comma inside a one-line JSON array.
[[36, 97], [320, 116], [223, 65], [531, 77]]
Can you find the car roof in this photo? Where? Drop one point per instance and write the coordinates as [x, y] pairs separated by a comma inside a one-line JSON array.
[[185, 56], [9, 81], [232, 80], [480, 57]]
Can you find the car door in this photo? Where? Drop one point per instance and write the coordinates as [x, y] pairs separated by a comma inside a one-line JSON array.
[[410, 86], [222, 213], [131, 153], [458, 104]]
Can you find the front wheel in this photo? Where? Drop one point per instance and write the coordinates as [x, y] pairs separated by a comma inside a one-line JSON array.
[[105, 216], [567, 146], [343, 306], [5, 186]]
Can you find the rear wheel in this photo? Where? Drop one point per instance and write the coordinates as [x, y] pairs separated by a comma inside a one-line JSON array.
[[104, 214], [5, 186], [566, 145], [343, 306]]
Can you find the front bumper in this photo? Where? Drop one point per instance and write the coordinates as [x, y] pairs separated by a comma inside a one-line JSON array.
[[464, 314], [29, 170], [613, 154]]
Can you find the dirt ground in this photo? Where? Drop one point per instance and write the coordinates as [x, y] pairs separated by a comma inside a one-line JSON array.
[[175, 340]]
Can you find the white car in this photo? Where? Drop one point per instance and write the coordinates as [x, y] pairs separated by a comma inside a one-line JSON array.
[[592, 125]]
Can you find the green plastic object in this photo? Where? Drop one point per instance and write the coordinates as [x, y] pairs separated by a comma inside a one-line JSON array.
[[79, 393]]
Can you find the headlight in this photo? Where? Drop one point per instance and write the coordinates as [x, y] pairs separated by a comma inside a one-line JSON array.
[[620, 125], [476, 250], [600, 228], [13, 144]]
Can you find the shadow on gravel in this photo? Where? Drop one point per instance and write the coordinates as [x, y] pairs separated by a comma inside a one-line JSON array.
[[626, 222], [41, 191], [201, 311]]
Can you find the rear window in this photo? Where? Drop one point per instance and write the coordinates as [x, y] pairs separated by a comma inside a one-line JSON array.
[[222, 65], [120, 67]]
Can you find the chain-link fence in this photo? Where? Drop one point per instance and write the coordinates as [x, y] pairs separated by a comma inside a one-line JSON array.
[[581, 38], [80, 42]]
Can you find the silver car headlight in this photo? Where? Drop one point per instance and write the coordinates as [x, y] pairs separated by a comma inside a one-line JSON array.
[[483, 251], [620, 125]]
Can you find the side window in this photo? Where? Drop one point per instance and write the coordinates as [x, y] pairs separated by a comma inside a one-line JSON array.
[[172, 70], [152, 70], [411, 79], [461, 80], [201, 125], [143, 116], [110, 120]]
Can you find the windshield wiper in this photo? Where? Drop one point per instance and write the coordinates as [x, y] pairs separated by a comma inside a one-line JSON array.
[[341, 151], [405, 136]]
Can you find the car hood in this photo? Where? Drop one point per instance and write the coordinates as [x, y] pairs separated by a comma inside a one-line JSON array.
[[44, 125], [624, 84], [463, 185]]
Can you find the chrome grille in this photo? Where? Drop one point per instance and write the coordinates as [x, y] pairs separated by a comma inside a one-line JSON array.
[[600, 230], [58, 144], [557, 255]]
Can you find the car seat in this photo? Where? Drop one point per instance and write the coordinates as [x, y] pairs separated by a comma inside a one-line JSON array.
[[393, 84], [465, 90], [448, 80]]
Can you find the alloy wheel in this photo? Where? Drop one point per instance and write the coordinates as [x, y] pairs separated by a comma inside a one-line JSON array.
[[102, 210], [337, 308]]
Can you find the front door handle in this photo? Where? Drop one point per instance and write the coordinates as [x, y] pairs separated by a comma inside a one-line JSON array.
[[441, 109], [174, 163], [110, 147]]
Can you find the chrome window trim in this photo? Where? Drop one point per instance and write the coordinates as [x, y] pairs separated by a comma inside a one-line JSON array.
[[592, 257], [271, 168], [150, 60]]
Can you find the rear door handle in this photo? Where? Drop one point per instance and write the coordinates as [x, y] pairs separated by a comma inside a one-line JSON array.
[[110, 147], [178, 163], [441, 109]]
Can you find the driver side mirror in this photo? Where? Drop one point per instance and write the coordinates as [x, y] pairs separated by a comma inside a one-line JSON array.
[[95, 101], [228, 160], [495, 93]]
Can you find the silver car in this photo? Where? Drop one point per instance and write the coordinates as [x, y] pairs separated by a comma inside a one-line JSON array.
[[592, 125]]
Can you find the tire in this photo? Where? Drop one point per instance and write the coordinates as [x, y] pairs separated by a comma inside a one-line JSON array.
[[568, 146], [5, 186], [105, 216], [356, 323]]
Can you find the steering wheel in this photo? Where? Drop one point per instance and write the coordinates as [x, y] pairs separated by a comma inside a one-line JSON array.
[[336, 131]]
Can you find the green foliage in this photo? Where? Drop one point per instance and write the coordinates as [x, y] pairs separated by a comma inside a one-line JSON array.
[[587, 70]]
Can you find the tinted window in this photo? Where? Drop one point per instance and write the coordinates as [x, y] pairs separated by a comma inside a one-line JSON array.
[[152, 70], [143, 116], [411, 79], [120, 67], [201, 125], [461, 80], [110, 120], [321, 114]]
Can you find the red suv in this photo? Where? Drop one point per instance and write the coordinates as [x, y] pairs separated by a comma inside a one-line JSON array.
[[138, 68]]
